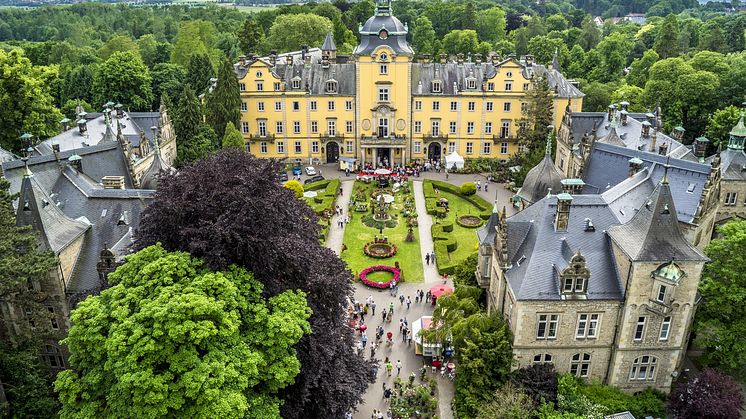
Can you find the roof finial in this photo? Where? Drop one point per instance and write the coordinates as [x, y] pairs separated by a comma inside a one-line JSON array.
[[555, 60], [664, 181], [26, 169], [550, 131]]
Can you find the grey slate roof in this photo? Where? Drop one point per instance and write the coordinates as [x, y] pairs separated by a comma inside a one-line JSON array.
[[538, 253], [540, 179], [315, 76], [451, 72], [328, 44], [608, 165], [733, 165], [54, 229], [630, 134], [487, 233], [383, 20], [151, 176], [6, 156], [653, 233]]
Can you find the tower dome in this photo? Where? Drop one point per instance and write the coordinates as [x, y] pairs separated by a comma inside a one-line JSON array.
[[383, 29], [541, 178]]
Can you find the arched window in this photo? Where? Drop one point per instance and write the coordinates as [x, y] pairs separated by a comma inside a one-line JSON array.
[[383, 56], [643, 369], [53, 356], [331, 86], [580, 365], [543, 359]]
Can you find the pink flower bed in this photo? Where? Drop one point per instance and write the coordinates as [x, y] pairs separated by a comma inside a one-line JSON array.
[[379, 268]]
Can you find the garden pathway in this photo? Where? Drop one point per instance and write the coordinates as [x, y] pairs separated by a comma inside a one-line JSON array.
[[336, 235]]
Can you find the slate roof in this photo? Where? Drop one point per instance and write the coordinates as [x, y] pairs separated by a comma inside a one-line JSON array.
[[733, 165], [54, 229], [452, 72], [6, 156], [538, 253], [486, 234], [315, 76], [608, 165], [540, 179], [328, 44], [131, 125], [629, 134], [151, 176], [653, 234], [383, 20]]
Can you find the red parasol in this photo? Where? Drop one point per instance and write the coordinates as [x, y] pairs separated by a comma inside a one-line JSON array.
[[439, 290]]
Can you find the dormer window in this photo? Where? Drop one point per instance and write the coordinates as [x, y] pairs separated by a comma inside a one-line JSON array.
[[383, 34], [437, 87], [296, 83], [574, 278], [383, 56], [471, 84], [331, 86]]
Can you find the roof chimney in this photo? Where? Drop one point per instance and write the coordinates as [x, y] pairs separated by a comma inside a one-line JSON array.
[[242, 60], [562, 216], [529, 59], [443, 58], [120, 110], [82, 123], [478, 58], [65, 124], [700, 146], [663, 149], [289, 59], [113, 182], [425, 58], [634, 166], [460, 58]]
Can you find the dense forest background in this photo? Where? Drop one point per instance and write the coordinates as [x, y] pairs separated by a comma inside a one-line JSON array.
[[687, 58]]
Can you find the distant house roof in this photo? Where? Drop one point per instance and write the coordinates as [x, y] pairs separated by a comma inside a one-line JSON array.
[[622, 415]]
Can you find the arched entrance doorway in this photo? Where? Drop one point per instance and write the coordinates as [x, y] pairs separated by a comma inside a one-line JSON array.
[[332, 152], [433, 151]]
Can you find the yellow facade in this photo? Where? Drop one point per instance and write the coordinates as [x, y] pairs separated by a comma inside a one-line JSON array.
[[382, 107]]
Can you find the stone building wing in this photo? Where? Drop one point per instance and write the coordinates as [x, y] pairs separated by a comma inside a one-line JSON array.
[[653, 234]]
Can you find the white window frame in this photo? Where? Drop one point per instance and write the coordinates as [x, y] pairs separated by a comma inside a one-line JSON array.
[[350, 147], [417, 127], [280, 147], [244, 127], [503, 148], [471, 106], [587, 327], [640, 329], [470, 127], [469, 147], [550, 322], [314, 127], [313, 105], [643, 368], [383, 94], [506, 107], [437, 87], [451, 147], [454, 106], [348, 105], [296, 127], [242, 87], [665, 329], [542, 359], [417, 147], [260, 106], [383, 69], [314, 146], [263, 147], [259, 86], [731, 198], [508, 86], [488, 128], [278, 106], [244, 106], [452, 127], [296, 106], [661, 294], [331, 127], [490, 86], [348, 126], [486, 147], [298, 147], [296, 84], [279, 127], [330, 105], [435, 127], [580, 364], [418, 105], [488, 106], [262, 128], [436, 105]]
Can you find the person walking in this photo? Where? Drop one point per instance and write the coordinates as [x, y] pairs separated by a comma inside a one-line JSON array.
[[389, 367], [391, 308], [427, 259], [485, 186], [398, 367], [432, 256], [372, 350], [428, 296], [364, 339], [401, 300], [479, 185], [383, 315], [387, 394], [373, 307], [409, 301], [401, 325]]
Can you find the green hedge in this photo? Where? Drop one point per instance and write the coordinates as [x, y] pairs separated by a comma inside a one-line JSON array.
[[447, 226]]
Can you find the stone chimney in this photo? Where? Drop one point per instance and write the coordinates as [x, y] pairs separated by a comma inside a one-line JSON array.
[[113, 182], [120, 110], [478, 58], [572, 186], [273, 58], [443, 58], [242, 60], [634, 166], [425, 58], [610, 112], [495, 59], [65, 124], [76, 162], [700, 147], [82, 123], [562, 216], [653, 140], [623, 117], [529, 59], [663, 149], [460, 58], [678, 133], [646, 128], [289, 59]]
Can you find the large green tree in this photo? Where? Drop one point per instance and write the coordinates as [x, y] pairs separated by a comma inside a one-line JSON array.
[[223, 104], [172, 338], [721, 318], [667, 41], [490, 24], [193, 37], [196, 138], [124, 78], [199, 72], [638, 73], [168, 79], [507, 402], [251, 36], [233, 138], [720, 123], [423, 36], [25, 381], [26, 102], [291, 32]]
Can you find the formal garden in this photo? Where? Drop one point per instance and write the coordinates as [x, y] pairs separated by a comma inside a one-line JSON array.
[[320, 196], [457, 214], [381, 242]]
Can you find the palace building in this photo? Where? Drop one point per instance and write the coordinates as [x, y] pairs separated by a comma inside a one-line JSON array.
[[378, 105]]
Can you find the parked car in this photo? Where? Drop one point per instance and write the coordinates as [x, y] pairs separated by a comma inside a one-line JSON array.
[[310, 171], [283, 177], [313, 179], [297, 170]]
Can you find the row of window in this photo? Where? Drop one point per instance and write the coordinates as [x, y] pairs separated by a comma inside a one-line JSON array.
[[731, 198], [643, 367], [470, 106], [52, 318], [295, 106], [417, 145], [588, 326], [332, 128], [453, 128], [331, 86], [436, 86]]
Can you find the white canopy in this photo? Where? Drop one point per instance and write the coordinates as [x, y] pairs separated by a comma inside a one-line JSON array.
[[454, 159]]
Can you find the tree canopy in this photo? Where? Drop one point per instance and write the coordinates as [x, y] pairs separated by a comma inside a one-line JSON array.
[[223, 104], [230, 208], [172, 338], [124, 78]]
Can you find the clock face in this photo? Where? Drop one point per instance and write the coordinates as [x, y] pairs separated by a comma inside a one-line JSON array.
[[383, 34]]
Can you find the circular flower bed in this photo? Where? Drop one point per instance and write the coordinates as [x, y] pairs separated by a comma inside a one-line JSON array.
[[380, 268], [469, 221], [379, 250]]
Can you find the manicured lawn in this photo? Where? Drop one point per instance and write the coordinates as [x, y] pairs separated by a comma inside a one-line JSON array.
[[357, 234], [380, 276], [465, 237]]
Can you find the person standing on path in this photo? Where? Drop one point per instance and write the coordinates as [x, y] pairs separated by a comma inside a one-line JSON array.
[[401, 300], [383, 315], [398, 367], [427, 258], [432, 256], [409, 301], [373, 307], [389, 367]]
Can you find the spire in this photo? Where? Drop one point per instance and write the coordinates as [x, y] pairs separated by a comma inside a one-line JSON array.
[[383, 7], [555, 60], [109, 136], [26, 170], [328, 44]]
